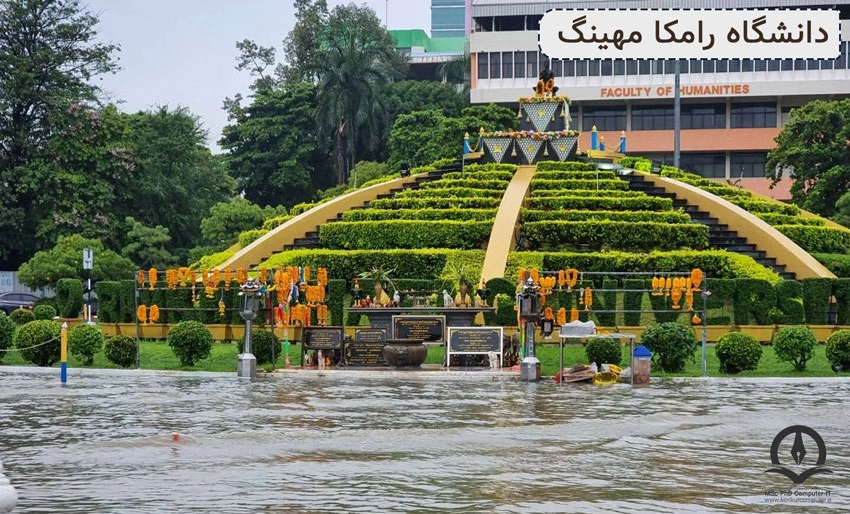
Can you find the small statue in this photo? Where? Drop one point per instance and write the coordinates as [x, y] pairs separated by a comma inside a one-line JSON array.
[[462, 299], [546, 83], [396, 298], [381, 298], [447, 299]]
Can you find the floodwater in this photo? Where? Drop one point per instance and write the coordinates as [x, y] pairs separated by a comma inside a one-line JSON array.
[[103, 444]]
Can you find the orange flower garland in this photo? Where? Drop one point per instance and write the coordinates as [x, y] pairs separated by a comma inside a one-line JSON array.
[[221, 308], [152, 277], [562, 316], [241, 275], [140, 278], [153, 315], [696, 278], [142, 313], [228, 277], [322, 314], [571, 278], [322, 277], [548, 314], [172, 278], [573, 314], [306, 274], [588, 299], [264, 275]]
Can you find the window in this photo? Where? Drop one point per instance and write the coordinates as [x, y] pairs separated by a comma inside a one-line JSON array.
[[709, 165], [569, 68], [593, 68], [747, 164], [533, 22], [652, 118], [695, 66], [747, 65], [799, 64], [484, 24], [605, 118], [495, 65], [826, 64], [510, 23], [683, 66], [841, 63], [558, 67], [581, 68], [519, 65], [483, 66], [607, 67], [619, 67], [669, 66], [657, 67], [757, 115], [787, 64], [812, 64], [631, 67], [760, 65], [734, 65], [708, 65], [703, 116], [773, 64], [507, 65], [644, 66], [531, 65]]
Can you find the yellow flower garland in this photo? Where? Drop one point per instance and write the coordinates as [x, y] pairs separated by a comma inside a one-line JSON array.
[[153, 316], [142, 313], [152, 277]]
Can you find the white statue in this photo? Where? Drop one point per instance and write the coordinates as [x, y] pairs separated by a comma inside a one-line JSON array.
[[396, 298], [447, 299]]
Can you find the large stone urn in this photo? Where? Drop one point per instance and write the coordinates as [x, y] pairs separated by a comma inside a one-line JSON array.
[[405, 353]]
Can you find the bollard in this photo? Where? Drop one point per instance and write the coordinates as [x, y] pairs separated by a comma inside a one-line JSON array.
[[64, 353], [8, 495]]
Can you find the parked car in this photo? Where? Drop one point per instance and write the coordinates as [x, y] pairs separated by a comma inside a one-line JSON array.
[[13, 301]]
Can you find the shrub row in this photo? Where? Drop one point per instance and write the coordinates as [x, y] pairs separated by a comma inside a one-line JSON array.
[[249, 236], [493, 166], [625, 235], [380, 235], [420, 214], [505, 176], [437, 203], [454, 192], [574, 215], [645, 203], [575, 175], [571, 193], [565, 166], [837, 263], [587, 184], [761, 206], [784, 219], [727, 192], [477, 183], [275, 222], [818, 239]]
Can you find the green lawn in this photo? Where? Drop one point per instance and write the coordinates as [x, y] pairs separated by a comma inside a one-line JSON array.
[[157, 355]]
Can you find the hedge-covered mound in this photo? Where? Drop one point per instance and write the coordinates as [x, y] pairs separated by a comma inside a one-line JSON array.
[[388, 234], [624, 235]]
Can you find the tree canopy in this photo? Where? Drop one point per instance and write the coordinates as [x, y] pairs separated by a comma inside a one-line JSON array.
[[65, 260]]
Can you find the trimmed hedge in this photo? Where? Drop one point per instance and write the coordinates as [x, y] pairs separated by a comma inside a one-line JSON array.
[[575, 175], [529, 215], [437, 203], [761, 206], [388, 234], [493, 166], [635, 235], [646, 203], [818, 239], [249, 236], [738, 352], [38, 342], [816, 293], [69, 297], [588, 184], [504, 176], [109, 301], [466, 182], [420, 214], [835, 262], [276, 221], [565, 166], [753, 300], [455, 192], [784, 219], [789, 303], [727, 192], [570, 193], [795, 345]]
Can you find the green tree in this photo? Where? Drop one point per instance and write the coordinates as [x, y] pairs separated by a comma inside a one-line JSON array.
[[813, 147], [498, 117], [48, 58], [178, 177], [842, 210], [408, 96], [227, 219], [302, 44], [147, 246], [65, 260], [270, 146], [358, 56]]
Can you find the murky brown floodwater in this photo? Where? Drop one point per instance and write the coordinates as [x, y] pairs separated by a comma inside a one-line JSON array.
[[103, 444]]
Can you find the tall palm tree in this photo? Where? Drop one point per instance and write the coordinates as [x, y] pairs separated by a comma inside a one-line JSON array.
[[358, 57]]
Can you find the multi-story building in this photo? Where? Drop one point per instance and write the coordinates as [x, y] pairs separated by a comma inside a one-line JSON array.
[[448, 18], [732, 109]]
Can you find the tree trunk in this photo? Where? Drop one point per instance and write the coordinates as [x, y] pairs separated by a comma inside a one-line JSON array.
[[339, 147]]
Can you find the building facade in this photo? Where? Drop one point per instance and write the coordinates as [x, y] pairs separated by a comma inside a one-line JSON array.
[[731, 109], [448, 18]]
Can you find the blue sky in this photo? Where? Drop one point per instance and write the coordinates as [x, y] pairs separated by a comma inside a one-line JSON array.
[[181, 52]]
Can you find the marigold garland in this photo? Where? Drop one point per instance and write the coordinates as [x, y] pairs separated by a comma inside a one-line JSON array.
[[306, 274], [322, 314], [588, 299], [221, 308], [153, 315], [573, 314], [241, 275], [571, 278], [152, 277], [562, 279], [696, 278], [696, 320], [228, 277], [216, 276], [172, 278], [184, 275], [689, 299], [562, 316], [142, 313], [264, 275], [323, 277], [548, 314], [140, 278]]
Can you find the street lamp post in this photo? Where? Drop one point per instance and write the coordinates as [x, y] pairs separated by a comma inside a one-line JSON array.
[[250, 294], [528, 300]]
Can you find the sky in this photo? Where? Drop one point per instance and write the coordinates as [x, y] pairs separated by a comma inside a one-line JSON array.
[[182, 52]]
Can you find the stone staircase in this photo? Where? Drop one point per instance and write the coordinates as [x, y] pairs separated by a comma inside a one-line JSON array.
[[311, 239], [720, 237]]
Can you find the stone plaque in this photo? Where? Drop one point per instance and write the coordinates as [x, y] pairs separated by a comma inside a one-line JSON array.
[[475, 340], [323, 338], [428, 329], [365, 353], [370, 335]]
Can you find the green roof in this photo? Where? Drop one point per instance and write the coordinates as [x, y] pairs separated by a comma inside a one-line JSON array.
[[418, 37]]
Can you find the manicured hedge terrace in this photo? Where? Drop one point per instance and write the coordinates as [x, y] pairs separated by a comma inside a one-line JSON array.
[[623, 235], [613, 184], [389, 234], [575, 175], [608, 193], [454, 192], [529, 215], [600, 203], [467, 182], [436, 203], [420, 214]]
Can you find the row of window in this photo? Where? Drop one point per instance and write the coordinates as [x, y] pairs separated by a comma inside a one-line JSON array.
[[713, 165], [693, 116], [507, 65]]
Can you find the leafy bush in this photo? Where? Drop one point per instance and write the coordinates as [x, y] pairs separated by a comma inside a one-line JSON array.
[[69, 297], [637, 163], [670, 344], [7, 333], [420, 214], [818, 239], [30, 340], [647, 203], [84, 341], [604, 351], [838, 350], [738, 352], [795, 345], [453, 192], [249, 236], [121, 350], [262, 342], [600, 193], [190, 341], [588, 184], [784, 219], [503, 176], [633, 235], [575, 175], [404, 234], [44, 311], [477, 183], [22, 316], [836, 262], [816, 293], [437, 203], [109, 299], [529, 215], [565, 166], [762, 206]]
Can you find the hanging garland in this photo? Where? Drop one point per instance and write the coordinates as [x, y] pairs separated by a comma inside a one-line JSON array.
[[142, 313], [588, 299], [323, 277], [172, 278], [241, 275], [140, 278], [152, 277], [221, 308], [562, 316], [571, 279], [153, 316], [573, 314], [228, 276], [696, 278], [322, 314]]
